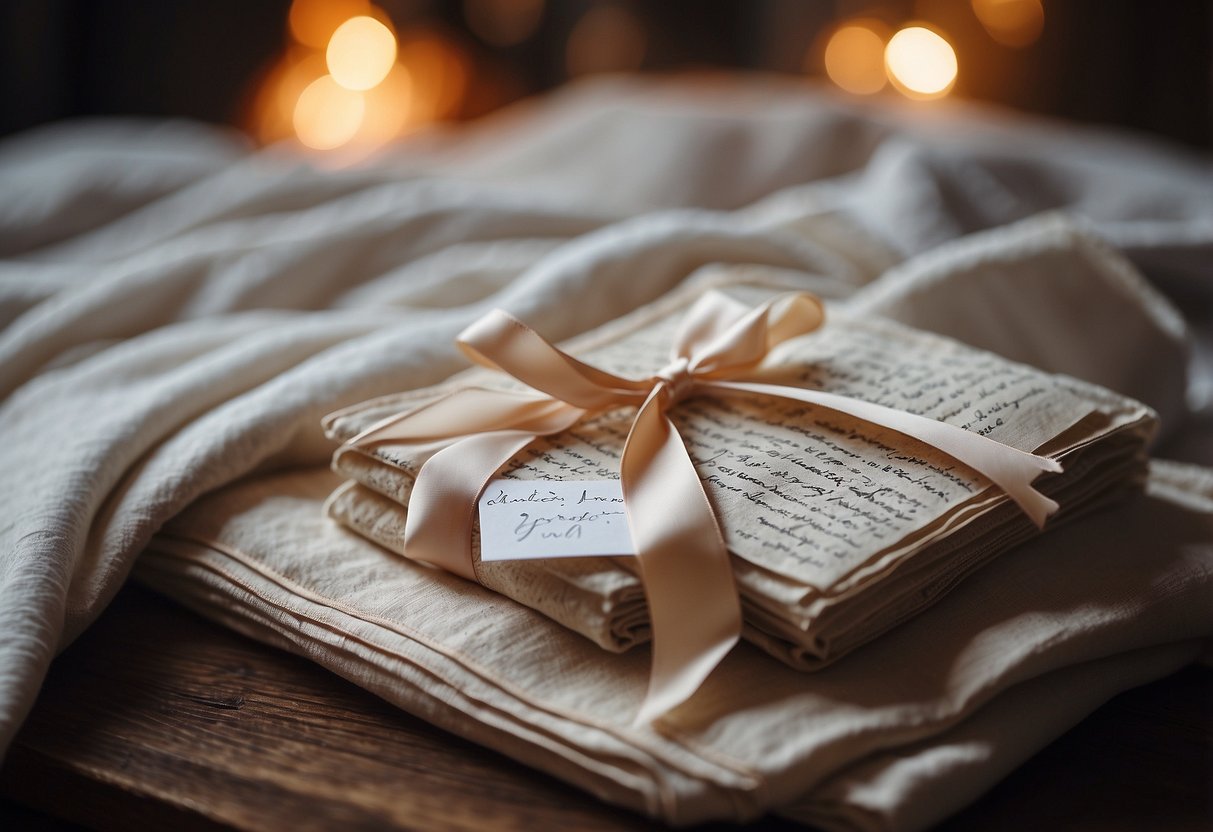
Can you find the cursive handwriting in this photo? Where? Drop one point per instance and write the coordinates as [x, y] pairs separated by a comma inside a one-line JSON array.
[[800, 490], [560, 526]]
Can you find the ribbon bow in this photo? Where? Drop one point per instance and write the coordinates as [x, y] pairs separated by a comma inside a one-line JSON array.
[[684, 565]]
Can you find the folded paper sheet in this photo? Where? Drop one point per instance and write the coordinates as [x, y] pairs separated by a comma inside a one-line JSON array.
[[895, 736], [839, 529]]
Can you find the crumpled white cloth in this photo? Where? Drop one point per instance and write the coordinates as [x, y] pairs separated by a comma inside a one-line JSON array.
[[179, 312]]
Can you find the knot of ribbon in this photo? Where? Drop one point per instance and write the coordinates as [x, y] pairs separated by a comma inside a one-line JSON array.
[[676, 380], [694, 607]]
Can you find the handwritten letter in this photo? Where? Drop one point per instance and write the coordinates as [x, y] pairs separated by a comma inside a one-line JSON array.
[[808, 492]]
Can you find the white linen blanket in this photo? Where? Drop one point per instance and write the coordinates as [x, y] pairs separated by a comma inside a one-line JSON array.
[[178, 312]]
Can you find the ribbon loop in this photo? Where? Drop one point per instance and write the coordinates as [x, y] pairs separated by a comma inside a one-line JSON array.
[[693, 602], [502, 342], [745, 343]]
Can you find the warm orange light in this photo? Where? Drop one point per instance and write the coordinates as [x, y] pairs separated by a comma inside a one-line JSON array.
[[503, 22], [312, 22], [854, 57], [363, 90], [1011, 22], [439, 70], [388, 109], [273, 107], [361, 53], [303, 68], [607, 38], [327, 115], [920, 63]]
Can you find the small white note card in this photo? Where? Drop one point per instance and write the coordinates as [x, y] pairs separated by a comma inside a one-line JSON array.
[[533, 519]]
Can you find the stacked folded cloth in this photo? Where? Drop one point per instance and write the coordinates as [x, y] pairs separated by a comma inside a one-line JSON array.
[[896, 736], [837, 529]]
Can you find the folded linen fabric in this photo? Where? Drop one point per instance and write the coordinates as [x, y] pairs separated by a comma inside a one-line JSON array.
[[839, 529], [895, 736]]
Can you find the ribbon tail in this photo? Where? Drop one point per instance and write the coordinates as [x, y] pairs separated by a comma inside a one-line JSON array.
[[1009, 468], [693, 602], [442, 507]]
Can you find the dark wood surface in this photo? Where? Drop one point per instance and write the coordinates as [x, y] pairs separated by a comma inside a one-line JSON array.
[[157, 719]]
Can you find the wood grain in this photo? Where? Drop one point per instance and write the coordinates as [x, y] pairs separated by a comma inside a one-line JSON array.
[[157, 718]]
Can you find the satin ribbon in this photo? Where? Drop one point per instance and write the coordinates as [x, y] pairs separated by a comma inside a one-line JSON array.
[[684, 565]]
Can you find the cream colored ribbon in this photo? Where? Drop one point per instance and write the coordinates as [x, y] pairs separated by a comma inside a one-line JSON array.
[[684, 565]]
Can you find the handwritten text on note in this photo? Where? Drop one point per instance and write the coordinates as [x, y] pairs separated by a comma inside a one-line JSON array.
[[528, 520]]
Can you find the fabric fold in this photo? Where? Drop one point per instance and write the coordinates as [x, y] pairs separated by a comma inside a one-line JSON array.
[[870, 742]]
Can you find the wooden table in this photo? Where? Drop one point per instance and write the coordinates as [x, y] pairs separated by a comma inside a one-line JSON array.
[[157, 718]]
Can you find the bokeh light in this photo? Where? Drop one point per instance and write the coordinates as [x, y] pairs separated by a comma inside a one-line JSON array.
[[503, 22], [854, 56], [312, 22], [360, 53], [362, 88], [440, 71], [607, 38], [920, 62], [1011, 22], [302, 67], [387, 109], [327, 115]]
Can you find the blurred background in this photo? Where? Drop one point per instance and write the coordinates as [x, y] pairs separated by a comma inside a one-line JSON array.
[[333, 75]]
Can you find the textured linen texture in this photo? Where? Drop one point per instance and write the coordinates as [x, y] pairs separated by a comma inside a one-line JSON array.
[[1040, 633]]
